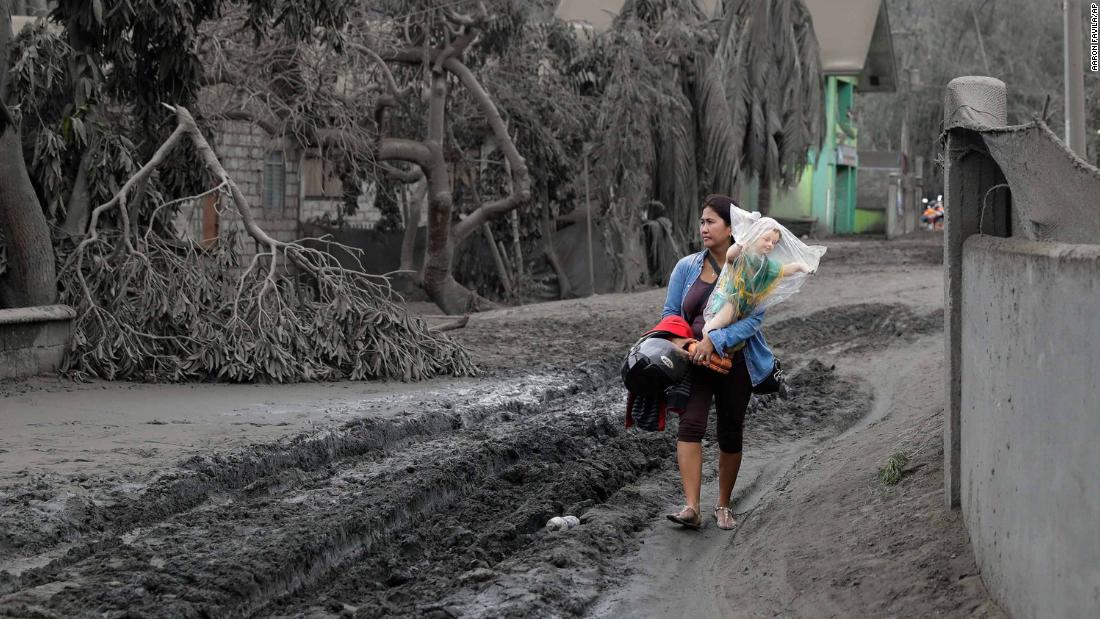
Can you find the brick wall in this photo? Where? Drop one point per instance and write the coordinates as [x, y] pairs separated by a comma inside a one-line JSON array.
[[322, 202], [243, 149]]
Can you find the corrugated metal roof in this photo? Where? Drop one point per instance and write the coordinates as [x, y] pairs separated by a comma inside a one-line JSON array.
[[855, 40]]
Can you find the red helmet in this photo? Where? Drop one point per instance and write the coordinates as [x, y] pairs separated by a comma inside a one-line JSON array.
[[672, 325]]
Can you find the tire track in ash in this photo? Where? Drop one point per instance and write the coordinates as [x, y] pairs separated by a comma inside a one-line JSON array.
[[27, 526], [858, 327], [564, 573], [552, 573], [232, 557], [439, 516]]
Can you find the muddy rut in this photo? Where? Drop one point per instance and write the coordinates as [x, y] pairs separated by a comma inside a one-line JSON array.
[[438, 512]]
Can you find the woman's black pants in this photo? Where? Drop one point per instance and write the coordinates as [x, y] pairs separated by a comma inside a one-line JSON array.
[[730, 393]]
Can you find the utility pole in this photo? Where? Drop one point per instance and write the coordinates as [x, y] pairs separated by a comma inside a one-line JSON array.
[[588, 223], [1075, 78]]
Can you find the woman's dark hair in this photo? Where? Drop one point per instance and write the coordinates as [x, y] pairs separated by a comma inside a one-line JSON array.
[[719, 204]]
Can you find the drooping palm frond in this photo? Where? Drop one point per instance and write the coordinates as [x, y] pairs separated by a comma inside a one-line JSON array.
[[653, 12], [769, 61], [810, 100], [761, 94], [721, 133], [678, 172], [800, 103], [647, 126], [690, 105]]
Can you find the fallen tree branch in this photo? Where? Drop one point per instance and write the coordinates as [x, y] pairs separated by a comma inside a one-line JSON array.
[[170, 311], [450, 326]]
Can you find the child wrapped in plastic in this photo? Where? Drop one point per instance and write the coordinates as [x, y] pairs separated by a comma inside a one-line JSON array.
[[765, 265]]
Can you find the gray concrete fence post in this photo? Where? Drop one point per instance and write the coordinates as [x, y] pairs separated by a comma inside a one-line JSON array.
[[970, 104], [895, 224]]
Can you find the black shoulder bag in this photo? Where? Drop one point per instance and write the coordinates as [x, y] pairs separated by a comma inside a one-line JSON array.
[[776, 382]]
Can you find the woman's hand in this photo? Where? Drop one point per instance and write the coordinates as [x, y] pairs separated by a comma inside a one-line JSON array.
[[702, 350]]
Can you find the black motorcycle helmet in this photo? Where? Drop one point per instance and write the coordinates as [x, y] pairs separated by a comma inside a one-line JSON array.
[[652, 365]]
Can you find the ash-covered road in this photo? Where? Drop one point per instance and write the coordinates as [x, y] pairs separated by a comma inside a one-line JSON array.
[[438, 510]]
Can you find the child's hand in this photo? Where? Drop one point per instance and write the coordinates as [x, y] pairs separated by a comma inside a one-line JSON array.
[[797, 267], [733, 252]]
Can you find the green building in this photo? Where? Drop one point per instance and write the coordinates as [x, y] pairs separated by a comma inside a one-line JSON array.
[[856, 54]]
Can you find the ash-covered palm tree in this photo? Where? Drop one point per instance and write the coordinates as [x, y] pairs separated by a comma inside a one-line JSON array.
[[649, 130], [689, 104], [765, 80]]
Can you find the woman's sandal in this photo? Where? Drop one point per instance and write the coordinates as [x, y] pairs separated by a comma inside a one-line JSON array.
[[688, 517], [724, 518]]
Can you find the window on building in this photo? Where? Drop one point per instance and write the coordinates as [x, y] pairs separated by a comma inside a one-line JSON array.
[[845, 95], [275, 180], [320, 179]]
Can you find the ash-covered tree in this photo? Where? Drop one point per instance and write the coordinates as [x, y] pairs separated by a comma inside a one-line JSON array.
[[28, 276], [423, 68], [766, 78], [416, 72], [691, 103], [526, 59], [102, 95]]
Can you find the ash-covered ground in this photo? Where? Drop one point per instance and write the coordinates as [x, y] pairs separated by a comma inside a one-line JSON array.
[[431, 499]]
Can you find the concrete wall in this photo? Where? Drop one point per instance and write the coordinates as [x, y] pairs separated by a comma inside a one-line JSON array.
[[366, 216], [34, 340], [1030, 463], [888, 200], [1022, 324]]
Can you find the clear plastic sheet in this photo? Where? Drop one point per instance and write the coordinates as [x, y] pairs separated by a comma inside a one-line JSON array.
[[766, 265]]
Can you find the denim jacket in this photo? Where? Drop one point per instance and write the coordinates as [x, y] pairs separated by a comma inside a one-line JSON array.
[[758, 357]]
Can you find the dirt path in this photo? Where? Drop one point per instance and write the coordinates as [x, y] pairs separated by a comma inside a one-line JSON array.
[[820, 535], [834, 541], [430, 499]]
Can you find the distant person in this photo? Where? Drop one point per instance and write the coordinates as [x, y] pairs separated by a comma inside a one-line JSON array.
[[661, 252], [932, 217], [689, 289]]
